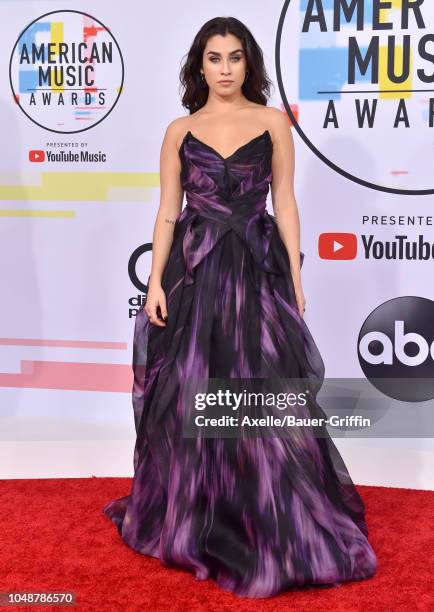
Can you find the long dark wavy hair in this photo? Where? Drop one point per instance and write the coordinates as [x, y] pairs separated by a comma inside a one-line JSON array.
[[257, 85]]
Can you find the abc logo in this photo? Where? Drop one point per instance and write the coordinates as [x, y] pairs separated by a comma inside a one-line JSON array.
[[396, 348]]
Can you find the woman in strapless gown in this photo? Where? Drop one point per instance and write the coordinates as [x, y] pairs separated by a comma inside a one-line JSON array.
[[258, 515]]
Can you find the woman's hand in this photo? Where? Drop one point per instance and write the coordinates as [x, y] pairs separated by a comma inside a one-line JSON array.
[[301, 302], [156, 299]]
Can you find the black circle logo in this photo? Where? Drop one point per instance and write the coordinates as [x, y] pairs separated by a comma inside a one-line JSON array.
[[132, 266]]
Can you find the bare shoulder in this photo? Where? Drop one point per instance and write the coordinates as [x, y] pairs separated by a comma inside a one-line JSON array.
[[278, 124], [176, 130]]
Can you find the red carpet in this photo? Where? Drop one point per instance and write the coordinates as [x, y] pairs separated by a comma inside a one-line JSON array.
[[54, 536]]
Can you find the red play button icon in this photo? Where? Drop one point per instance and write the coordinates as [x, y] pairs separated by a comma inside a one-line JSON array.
[[36, 155], [337, 245]]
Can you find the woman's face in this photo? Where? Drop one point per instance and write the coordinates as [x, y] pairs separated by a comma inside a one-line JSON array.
[[224, 59]]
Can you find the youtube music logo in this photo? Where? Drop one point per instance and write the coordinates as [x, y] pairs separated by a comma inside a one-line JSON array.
[[337, 245], [36, 155]]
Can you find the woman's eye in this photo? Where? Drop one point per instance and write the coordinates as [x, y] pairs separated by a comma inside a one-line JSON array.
[[236, 58]]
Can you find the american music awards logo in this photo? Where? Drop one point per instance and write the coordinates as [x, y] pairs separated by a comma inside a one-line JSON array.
[[66, 71], [356, 79]]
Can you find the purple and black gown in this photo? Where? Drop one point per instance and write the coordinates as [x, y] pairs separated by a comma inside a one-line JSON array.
[[258, 515]]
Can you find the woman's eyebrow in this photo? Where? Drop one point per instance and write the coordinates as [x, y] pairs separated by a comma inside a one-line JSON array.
[[230, 53]]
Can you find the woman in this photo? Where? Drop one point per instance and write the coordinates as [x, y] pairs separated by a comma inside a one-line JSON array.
[[264, 514]]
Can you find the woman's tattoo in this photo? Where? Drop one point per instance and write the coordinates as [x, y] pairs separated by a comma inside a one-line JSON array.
[[169, 221]]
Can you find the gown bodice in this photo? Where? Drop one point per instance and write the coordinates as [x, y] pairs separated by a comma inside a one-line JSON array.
[[226, 194], [227, 180]]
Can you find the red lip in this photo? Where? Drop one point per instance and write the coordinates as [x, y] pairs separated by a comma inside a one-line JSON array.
[[225, 81]]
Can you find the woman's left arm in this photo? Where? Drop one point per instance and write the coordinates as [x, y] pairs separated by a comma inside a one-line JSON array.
[[283, 197]]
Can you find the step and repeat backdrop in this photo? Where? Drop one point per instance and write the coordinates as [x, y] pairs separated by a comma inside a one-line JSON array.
[[86, 96]]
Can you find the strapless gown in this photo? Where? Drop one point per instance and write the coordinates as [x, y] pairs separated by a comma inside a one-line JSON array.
[[257, 515]]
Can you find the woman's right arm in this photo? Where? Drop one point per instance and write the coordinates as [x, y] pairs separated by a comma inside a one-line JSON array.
[[171, 197]]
